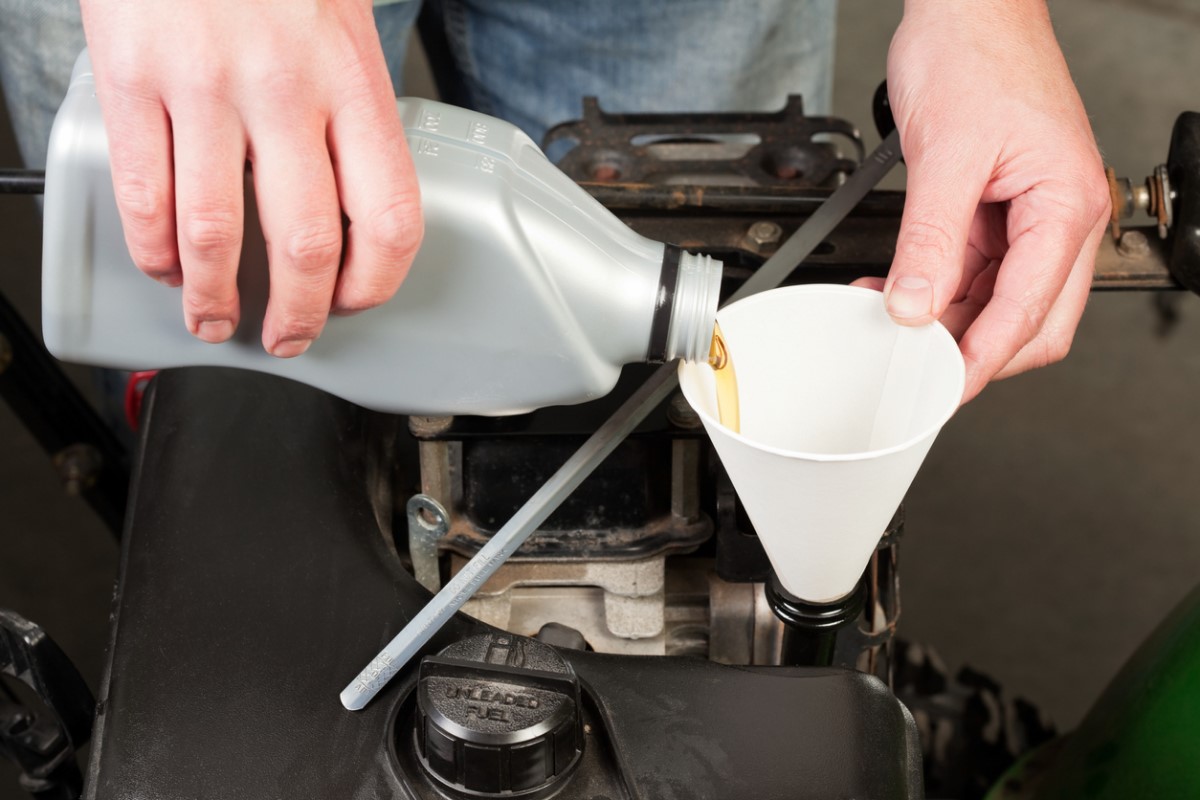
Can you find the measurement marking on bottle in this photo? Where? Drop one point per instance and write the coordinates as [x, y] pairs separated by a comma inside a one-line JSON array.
[[430, 121], [477, 133], [486, 164], [427, 148]]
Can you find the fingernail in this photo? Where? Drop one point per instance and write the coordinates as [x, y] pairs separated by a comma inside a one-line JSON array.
[[171, 280], [214, 330], [290, 348], [910, 298]]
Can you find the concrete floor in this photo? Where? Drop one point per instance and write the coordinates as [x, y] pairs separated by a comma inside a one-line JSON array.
[[1052, 525]]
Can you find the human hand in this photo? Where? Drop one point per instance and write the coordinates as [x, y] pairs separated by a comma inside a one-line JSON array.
[[193, 89], [1007, 200]]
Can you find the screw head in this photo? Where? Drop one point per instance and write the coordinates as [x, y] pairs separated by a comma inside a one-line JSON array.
[[762, 233]]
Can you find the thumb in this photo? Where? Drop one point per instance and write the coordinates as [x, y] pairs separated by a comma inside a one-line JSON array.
[[942, 195]]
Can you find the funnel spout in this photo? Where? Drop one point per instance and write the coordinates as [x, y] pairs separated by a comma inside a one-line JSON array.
[[810, 630]]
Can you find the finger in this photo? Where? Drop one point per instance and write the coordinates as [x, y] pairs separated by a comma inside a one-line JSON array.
[[379, 195], [975, 262], [869, 283], [298, 206], [945, 182], [139, 147], [1048, 238], [210, 165], [1058, 331], [986, 243], [963, 312]]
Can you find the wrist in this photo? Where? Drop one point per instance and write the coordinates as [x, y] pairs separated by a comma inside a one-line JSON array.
[[989, 11]]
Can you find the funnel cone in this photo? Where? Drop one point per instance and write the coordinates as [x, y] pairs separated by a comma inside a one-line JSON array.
[[839, 406]]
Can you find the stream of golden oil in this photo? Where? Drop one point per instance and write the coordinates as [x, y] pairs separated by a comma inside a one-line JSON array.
[[727, 388]]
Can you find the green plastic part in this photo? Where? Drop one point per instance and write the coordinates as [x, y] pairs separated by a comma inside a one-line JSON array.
[[1141, 738]]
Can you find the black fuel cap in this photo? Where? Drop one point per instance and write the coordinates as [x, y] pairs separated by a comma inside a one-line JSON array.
[[498, 713]]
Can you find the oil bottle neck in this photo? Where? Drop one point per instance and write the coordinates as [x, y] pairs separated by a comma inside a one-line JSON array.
[[685, 310]]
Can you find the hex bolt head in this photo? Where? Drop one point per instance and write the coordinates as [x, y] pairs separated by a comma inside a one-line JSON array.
[[1134, 244], [681, 414], [763, 233]]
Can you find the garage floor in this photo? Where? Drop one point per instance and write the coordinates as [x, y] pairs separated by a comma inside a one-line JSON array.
[[1054, 523]]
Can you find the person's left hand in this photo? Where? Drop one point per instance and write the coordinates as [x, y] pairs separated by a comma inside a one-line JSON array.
[[1007, 199]]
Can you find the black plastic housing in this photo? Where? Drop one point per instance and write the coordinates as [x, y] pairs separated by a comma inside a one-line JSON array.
[[257, 579]]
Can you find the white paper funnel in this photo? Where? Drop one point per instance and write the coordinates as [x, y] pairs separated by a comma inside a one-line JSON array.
[[839, 406]]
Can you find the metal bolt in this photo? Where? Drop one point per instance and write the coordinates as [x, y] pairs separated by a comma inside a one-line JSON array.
[[6, 353], [78, 467], [1134, 244], [762, 233], [605, 173], [425, 427], [681, 414]]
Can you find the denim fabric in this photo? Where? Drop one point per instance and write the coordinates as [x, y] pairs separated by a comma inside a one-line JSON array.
[[39, 42], [528, 61]]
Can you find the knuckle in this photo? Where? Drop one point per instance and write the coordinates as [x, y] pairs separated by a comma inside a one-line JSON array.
[[142, 201], [1056, 344], [396, 231], [1016, 316], [129, 81], [278, 77], [1098, 201], [364, 294], [924, 241], [1084, 195], [295, 324], [154, 261], [205, 83], [213, 235], [976, 364], [207, 300], [314, 250]]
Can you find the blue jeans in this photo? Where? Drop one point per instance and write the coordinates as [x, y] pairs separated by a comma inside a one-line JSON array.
[[527, 61]]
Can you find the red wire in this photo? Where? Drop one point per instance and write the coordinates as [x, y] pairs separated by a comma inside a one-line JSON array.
[[135, 389]]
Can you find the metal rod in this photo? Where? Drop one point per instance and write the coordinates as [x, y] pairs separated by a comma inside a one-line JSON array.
[[600, 444], [22, 181], [88, 455], [640, 197]]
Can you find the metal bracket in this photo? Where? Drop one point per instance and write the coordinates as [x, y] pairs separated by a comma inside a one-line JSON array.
[[428, 522]]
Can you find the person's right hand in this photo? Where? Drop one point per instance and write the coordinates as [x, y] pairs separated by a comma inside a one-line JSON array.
[[193, 89]]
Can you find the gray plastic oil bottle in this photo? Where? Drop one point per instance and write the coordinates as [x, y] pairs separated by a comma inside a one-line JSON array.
[[526, 292]]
